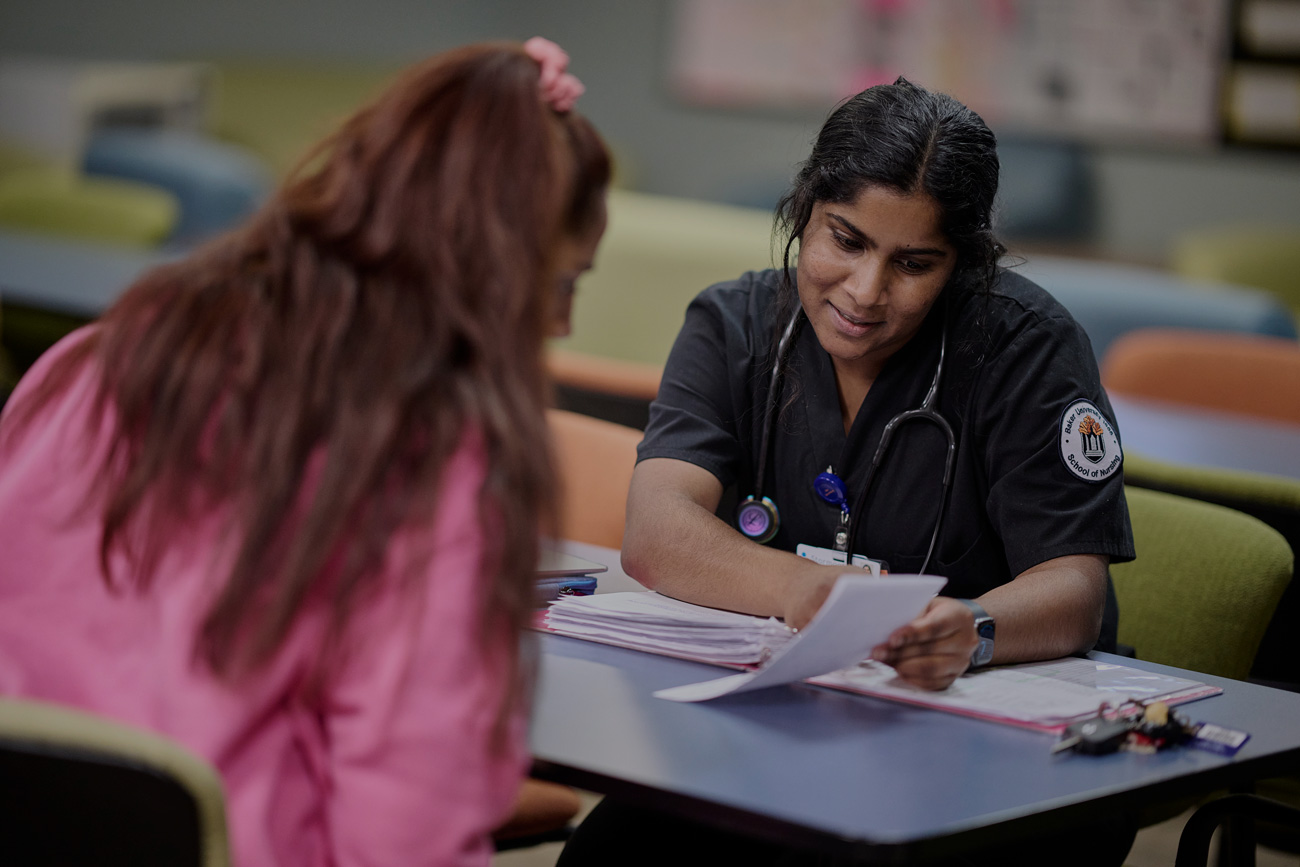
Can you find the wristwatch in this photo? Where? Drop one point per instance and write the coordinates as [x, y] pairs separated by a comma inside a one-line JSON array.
[[984, 628]]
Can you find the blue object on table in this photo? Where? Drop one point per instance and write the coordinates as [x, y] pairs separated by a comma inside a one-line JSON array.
[[217, 184], [564, 585]]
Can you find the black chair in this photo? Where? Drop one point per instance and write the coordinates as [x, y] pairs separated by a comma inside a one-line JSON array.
[[79, 789]]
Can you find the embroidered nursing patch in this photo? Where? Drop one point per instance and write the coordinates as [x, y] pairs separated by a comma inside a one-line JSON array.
[[1089, 446]]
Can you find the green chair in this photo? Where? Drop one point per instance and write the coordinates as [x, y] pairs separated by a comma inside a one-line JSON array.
[[1200, 593], [1270, 499], [1275, 500], [659, 252], [107, 210], [79, 789], [1264, 256], [1204, 585]]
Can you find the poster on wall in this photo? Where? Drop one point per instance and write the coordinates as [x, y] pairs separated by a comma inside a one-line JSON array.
[[1140, 70]]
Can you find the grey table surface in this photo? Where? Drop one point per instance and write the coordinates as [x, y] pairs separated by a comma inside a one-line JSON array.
[[851, 773], [1202, 437]]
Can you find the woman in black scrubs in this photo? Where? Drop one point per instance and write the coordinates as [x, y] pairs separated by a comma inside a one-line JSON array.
[[1001, 470]]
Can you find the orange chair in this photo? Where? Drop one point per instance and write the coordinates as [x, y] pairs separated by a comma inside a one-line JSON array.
[[1245, 374], [542, 814], [595, 460], [609, 388]]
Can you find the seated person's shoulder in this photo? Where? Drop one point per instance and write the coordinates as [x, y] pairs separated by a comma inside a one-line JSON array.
[[1015, 308], [739, 312], [753, 292], [1023, 303]]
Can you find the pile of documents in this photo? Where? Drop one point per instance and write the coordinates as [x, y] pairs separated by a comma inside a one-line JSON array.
[[659, 624]]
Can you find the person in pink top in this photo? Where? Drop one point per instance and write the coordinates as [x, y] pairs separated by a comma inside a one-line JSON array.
[[282, 502]]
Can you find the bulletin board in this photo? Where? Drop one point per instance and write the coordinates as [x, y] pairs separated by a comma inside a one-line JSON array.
[[1141, 70]]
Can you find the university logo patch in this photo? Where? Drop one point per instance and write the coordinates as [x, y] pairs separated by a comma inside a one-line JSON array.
[[1089, 446]]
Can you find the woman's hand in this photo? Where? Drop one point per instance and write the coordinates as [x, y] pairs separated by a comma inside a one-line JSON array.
[[934, 649]]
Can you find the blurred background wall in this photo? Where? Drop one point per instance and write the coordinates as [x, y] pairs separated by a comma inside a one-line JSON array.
[[1145, 196]]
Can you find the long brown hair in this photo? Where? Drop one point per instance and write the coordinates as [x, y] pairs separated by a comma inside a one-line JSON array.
[[313, 372]]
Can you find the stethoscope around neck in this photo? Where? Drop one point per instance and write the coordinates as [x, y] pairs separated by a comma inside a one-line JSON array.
[[757, 516]]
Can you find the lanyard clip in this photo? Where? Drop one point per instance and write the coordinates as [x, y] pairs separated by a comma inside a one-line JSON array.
[[831, 489]]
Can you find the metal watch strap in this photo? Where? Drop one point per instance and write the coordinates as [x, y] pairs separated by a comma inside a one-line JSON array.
[[984, 628]]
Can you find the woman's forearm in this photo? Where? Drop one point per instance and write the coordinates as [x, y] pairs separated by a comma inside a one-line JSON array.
[[673, 543], [1050, 610]]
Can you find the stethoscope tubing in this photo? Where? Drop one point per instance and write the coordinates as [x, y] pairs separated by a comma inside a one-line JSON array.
[[925, 412]]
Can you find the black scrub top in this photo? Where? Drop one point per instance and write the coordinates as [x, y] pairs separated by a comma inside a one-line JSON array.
[[1017, 366]]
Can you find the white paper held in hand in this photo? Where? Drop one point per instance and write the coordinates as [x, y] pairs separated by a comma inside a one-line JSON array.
[[859, 613]]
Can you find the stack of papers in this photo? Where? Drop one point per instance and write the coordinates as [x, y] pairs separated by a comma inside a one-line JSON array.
[[659, 624], [859, 613]]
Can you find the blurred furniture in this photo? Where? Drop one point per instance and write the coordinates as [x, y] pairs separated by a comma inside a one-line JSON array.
[[1045, 191], [595, 459], [541, 814], [1267, 257], [1243, 374], [279, 109], [81, 789], [1273, 500], [50, 286], [66, 204], [50, 105], [118, 152], [658, 253], [1194, 844], [49, 108], [607, 388], [1192, 435], [1204, 585], [1110, 299], [215, 184]]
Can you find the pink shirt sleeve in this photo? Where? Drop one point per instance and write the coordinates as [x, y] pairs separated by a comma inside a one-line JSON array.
[[414, 772]]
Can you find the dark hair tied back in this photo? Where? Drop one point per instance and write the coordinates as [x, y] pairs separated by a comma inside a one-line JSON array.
[[908, 139]]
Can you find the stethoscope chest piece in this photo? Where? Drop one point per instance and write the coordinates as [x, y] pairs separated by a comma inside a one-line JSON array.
[[758, 519], [757, 516]]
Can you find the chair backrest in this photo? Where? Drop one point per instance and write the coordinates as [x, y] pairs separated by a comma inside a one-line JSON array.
[[1263, 256], [1246, 374], [609, 388], [596, 459], [1272, 499], [1204, 585], [1110, 299], [658, 253], [79, 789]]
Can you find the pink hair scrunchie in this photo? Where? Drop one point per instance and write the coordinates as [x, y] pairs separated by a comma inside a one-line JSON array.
[[559, 89]]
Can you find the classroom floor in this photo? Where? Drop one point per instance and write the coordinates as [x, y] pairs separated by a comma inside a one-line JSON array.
[[1155, 847]]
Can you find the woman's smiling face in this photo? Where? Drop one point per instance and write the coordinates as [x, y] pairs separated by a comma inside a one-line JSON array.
[[869, 271]]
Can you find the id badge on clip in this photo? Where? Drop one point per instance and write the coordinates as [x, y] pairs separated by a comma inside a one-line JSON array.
[[829, 557]]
